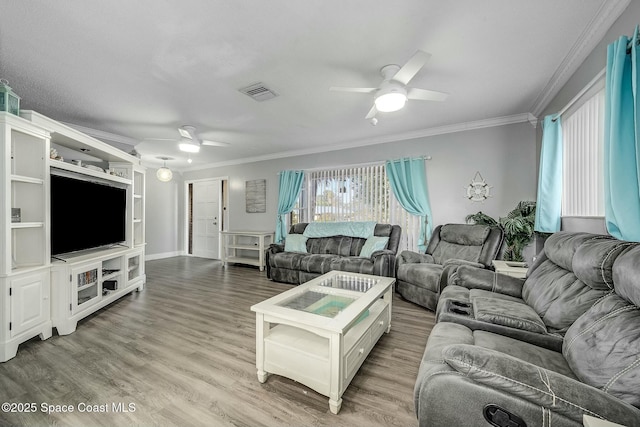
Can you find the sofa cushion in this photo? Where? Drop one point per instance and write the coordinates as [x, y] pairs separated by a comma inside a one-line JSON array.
[[295, 243], [317, 263], [463, 234], [603, 345], [460, 241], [560, 247], [593, 262], [574, 274], [373, 243], [288, 260], [508, 313], [336, 245]]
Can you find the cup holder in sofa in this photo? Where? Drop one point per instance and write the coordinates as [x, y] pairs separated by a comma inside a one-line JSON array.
[[461, 304], [460, 307]]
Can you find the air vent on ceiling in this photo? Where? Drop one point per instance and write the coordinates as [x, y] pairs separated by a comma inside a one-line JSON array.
[[259, 92]]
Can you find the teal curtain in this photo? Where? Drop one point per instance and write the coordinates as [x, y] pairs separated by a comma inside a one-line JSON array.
[[549, 203], [408, 179], [288, 192], [621, 150]]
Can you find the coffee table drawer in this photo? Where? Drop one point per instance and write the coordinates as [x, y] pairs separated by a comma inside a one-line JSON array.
[[380, 325], [357, 354]]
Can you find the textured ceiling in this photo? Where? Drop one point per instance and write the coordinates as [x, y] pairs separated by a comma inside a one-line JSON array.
[[140, 69]]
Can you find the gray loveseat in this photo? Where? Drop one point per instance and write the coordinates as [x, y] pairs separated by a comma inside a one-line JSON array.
[[467, 376], [569, 275], [324, 254]]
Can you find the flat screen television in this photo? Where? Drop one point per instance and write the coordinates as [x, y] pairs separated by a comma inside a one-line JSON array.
[[85, 215]]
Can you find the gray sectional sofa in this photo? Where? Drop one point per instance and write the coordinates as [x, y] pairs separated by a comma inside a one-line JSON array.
[[575, 352], [324, 254], [569, 275]]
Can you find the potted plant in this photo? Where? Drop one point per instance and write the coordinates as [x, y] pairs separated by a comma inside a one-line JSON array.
[[518, 229], [517, 226], [480, 218]]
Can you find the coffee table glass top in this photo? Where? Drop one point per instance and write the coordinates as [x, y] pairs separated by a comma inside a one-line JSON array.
[[319, 303], [331, 295], [349, 282]]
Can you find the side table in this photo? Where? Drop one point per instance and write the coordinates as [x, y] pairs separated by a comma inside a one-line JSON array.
[[511, 268], [236, 245]]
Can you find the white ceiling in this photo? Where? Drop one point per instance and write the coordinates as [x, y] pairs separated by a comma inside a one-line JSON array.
[[140, 69]]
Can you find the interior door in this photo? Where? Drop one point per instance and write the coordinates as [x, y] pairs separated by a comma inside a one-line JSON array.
[[206, 219]]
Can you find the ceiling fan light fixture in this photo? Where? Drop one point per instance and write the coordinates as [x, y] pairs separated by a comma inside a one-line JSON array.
[[390, 101], [189, 147], [164, 174]]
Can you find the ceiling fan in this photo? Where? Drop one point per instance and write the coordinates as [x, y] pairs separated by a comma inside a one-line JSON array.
[[393, 92], [190, 141]]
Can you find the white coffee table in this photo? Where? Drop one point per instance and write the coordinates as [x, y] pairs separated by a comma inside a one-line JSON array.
[[320, 333]]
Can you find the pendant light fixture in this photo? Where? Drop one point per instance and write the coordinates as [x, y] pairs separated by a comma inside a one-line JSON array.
[[164, 174]]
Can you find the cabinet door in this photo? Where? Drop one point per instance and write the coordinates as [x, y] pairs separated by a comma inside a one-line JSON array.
[[29, 302], [86, 289]]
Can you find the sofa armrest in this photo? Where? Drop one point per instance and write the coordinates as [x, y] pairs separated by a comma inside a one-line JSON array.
[[548, 389], [479, 278], [409, 257], [384, 262], [274, 248]]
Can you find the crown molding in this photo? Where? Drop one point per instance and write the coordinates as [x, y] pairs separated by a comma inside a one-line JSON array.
[[594, 32], [438, 130], [102, 135]]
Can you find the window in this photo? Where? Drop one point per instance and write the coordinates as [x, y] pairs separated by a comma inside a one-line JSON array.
[[358, 193], [583, 141]]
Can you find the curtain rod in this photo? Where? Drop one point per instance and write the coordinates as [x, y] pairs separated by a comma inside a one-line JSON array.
[[580, 94]]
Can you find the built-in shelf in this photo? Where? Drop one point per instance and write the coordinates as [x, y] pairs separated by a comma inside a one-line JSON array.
[[27, 179], [15, 225], [57, 164], [87, 286]]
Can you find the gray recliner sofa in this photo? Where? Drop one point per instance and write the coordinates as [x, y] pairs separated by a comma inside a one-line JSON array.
[[570, 274], [498, 378], [325, 254], [420, 276]]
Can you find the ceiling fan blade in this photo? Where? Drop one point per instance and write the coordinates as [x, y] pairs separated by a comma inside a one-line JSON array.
[[411, 68], [353, 89], [187, 131], [426, 95], [372, 113], [215, 143]]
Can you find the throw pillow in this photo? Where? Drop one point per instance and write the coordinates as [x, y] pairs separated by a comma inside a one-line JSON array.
[[373, 243], [295, 243]]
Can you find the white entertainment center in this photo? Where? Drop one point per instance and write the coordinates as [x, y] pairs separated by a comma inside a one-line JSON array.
[[38, 293]]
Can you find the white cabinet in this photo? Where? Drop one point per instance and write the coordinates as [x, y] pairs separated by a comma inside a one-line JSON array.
[[25, 302], [24, 247], [83, 284]]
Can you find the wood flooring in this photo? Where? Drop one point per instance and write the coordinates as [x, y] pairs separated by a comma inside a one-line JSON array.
[[182, 352]]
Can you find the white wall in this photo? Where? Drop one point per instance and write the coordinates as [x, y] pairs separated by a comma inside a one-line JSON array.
[[504, 155], [164, 216]]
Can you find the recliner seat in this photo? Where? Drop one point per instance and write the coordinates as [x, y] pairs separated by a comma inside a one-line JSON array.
[[419, 275]]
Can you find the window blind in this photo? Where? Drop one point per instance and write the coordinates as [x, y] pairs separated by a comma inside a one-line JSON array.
[[583, 136]]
